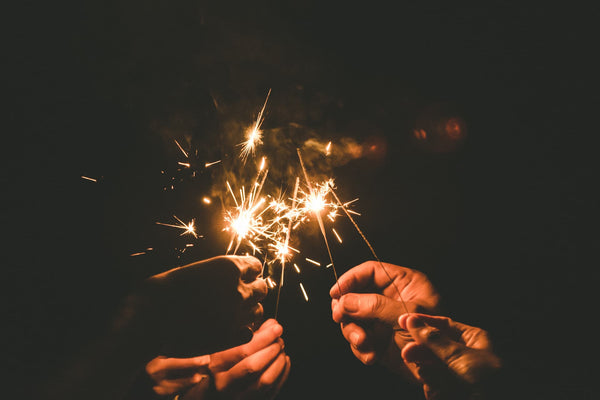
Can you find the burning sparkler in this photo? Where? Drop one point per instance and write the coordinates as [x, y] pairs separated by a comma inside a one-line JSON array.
[[188, 228], [254, 134]]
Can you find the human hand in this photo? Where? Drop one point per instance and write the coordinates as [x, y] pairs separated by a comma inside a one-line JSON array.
[[174, 375], [199, 308], [368, 306], [451, 360], [255, 370]]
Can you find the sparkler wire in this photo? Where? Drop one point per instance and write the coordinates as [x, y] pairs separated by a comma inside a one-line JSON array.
[[370, 248], [320, 221], [287, 240]]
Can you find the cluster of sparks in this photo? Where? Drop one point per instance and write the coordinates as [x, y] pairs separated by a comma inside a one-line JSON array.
[[263, 223]]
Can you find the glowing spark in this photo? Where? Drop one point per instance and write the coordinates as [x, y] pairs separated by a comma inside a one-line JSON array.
[[262, 164], [318, 215], [254, 134], [206, 200], [245, 221], [137, 254], [270, 282], [328, 149], [88, 178], [296, 267], [187, 165], [318, 264], [328, 265], [181, 148], [336, 235], [187, 228], [303, 292], [208, 164]]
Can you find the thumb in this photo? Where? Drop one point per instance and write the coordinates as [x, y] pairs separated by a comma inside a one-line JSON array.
[[446, 349], [368, 306]]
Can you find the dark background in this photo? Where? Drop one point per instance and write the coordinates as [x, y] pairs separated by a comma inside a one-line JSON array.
[[496, 218]]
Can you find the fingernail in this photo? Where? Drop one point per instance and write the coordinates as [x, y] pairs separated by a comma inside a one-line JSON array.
[[354, 337], [351, 303]]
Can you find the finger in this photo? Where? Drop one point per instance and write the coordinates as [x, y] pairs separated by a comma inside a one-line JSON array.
[[428, 368], [370, 275], [250, 316], [368, 307], [171, 386], [439, 343], [266, 324], [272, 373], [469, 335], [262, 338], [267, 387], [354, 279], [239, 375], [163, 363], [256, 290], [250, 267], [281, 380], [365, 357], [356, 336]]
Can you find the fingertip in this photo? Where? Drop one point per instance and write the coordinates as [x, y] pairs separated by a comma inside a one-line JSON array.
[[402, 321], [277, 329], [368, 359], [334, 293]]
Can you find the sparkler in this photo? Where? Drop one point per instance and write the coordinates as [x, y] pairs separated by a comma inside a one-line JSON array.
[[264, 223], [316, 204], [284, 251], [362, 235], [253, 134], [188, 228]]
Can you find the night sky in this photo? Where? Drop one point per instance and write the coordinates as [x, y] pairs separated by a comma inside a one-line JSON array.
[[491, 207]]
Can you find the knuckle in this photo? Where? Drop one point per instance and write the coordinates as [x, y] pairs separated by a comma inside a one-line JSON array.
[[376, 303]]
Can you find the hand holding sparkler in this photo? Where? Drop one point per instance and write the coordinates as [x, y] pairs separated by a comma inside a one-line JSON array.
[[205, 306], [451, 360], [199, 308], [372, 301], [256, 369]]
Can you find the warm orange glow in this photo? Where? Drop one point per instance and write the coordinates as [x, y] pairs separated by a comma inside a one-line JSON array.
[[454, 128], [420, 134]]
